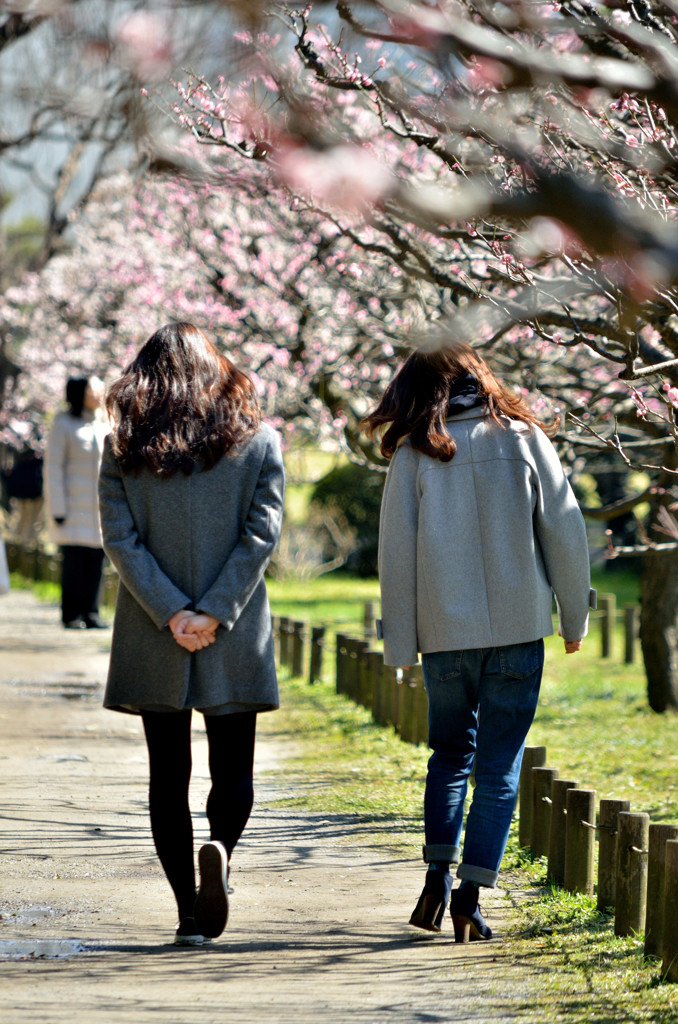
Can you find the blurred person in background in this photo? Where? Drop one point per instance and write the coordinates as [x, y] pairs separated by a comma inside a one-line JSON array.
[[75, 446]]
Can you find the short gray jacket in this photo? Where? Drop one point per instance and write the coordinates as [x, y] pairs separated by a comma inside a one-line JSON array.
[[471, 550], [201, 541]]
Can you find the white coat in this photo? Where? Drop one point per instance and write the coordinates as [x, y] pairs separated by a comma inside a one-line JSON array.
[[75, 447]]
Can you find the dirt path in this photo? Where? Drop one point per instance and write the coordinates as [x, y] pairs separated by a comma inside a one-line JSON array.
[[317, 930]]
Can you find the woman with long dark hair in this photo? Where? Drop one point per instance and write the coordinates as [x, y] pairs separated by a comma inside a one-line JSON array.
[[191, 493], [479, 527], [75, 446]]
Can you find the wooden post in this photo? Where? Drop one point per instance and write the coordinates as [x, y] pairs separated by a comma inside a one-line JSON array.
[[556, 862], [608, 608], [631, 883], [356, 650], [369, 670], [542, 780], [630, 632], [284, 627], [607, 851], [660, 834], [298, 638], [370, 620], [580, 835], [315, 669], [670, 946], [379, 707], [341, 659], [533, 757]]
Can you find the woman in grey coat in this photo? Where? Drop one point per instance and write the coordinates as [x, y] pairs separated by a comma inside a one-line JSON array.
[[191, 495], [479, 528]]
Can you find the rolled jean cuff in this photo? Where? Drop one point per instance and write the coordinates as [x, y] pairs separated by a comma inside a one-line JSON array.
[[440, 852], [481, 876]]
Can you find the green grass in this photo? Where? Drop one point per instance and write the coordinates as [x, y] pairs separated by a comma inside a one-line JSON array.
[[595, 722]]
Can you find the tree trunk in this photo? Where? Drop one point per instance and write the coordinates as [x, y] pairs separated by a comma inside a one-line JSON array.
[[659, 628]]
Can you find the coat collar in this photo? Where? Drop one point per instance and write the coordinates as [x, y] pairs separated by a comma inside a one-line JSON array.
[[476, 413]]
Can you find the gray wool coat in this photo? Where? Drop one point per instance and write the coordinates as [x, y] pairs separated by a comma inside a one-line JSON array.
[[471, 551], [201, 541]]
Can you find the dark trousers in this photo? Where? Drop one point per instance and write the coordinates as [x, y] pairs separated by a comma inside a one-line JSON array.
[[81, 571], [231, 762]]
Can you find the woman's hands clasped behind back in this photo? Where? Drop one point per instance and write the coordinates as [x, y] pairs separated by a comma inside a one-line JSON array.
[[193, 630]]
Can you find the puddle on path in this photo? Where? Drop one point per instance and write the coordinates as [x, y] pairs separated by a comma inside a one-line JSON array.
[[39, 949]]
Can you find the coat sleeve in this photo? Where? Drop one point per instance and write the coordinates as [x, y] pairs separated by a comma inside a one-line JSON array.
[[398, 559], [245, 566], [560, 529], [136, 566], [56, 457]]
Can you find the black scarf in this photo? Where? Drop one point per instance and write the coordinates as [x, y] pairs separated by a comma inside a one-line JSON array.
[[465, 393]]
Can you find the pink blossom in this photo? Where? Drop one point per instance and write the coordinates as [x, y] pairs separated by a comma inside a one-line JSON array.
[[672, 395], [143, 44], [347, 177]]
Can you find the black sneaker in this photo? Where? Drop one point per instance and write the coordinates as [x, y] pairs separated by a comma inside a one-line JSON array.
[[187, 933], [211, 903]]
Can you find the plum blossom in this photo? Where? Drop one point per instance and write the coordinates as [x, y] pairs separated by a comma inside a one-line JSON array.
[[346, 177], [144, 45]]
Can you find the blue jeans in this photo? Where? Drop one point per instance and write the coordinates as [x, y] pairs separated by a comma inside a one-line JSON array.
[[481, 705]]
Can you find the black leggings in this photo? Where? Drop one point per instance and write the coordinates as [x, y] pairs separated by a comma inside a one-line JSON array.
[[231, 759]]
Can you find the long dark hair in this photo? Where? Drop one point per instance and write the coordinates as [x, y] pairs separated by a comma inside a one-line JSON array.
[[416, 403], [180, 403], [75, 395]]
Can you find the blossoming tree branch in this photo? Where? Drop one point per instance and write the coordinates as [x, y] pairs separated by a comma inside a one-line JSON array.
[[362, 175]]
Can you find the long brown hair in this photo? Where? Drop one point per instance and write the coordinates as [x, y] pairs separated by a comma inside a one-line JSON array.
[[415, 404], [180, 403]]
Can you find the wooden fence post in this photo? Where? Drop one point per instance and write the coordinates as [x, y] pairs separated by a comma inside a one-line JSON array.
[[630, 632], [607, 851], [379, 706], [315, 669], [580, 835], [670, 945], [284, 627], [660, 834], [356, 649], [608, 608], [298, 638], [631, 882], [556, 863], [368, 676], [542, 780], [533, 757], [341, 658]]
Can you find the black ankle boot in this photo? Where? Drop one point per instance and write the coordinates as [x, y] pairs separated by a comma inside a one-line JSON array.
[[469, 925], [430, 909]]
